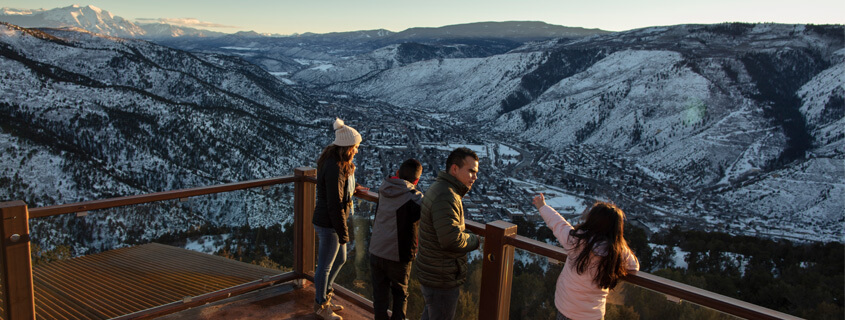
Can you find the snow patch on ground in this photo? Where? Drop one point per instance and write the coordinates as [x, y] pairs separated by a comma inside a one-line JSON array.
[[240, 48], [481, 150], [323, 67], [207, 244]]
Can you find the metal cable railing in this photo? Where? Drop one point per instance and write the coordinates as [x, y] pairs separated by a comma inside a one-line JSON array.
[[500, 241]]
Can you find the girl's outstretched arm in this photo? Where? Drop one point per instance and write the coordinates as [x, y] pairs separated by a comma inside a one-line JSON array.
[[560, 227]]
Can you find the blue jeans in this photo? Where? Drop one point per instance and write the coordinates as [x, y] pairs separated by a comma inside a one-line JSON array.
[[330, 253], [440, 304]]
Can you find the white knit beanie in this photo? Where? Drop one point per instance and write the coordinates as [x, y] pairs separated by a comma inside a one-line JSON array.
[[345, 136]]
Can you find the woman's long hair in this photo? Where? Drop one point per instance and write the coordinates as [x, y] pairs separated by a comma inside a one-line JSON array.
[[604, 226], [343, 156]]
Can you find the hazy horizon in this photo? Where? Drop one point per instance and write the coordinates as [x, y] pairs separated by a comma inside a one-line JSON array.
[[294, 17]]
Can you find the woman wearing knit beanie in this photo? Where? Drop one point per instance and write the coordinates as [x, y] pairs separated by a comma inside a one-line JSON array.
[[335, 186]]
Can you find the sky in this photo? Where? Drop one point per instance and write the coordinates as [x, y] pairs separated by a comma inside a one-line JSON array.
[[323, 16]]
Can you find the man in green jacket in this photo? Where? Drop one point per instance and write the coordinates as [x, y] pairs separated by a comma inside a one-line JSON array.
[[441, 265]]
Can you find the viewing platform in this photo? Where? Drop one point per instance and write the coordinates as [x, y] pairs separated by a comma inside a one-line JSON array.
[[125, 282], [154, 280]]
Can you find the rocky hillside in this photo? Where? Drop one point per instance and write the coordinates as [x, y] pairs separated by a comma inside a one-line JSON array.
[[752, 113], [91, 117]]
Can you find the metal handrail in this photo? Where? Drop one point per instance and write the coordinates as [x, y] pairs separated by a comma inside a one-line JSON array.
[[665, 286], [695, 295], [47, 211], [646, 280], [15, 252]]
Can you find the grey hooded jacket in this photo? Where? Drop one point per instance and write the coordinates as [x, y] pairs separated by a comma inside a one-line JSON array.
[[397, 216]]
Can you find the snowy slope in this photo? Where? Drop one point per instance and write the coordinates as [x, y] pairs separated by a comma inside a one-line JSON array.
[[807, 195], [680, 107], [89, 117], [642, 103], [447, 85], [823, 98], [734, 111]]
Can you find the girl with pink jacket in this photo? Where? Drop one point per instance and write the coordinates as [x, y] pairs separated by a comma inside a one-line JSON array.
[[597, 257]]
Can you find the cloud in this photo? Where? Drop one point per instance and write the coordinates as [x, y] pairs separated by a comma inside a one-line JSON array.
[[185, 22]]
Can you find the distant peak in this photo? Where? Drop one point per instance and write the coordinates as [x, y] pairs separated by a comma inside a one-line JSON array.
[[95, 9], [19, 12], [89, 7]]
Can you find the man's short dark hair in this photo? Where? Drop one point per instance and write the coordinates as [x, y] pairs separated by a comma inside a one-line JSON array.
[[410, 170], [457, 157]]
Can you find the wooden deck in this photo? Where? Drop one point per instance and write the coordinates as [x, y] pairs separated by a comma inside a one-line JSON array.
[[281, 302], [128, 280]]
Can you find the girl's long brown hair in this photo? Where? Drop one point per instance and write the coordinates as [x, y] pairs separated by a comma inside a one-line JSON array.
[[343, 155], [604, 224]]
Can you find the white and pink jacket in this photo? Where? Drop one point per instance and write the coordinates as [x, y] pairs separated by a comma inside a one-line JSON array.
[[576, 295]]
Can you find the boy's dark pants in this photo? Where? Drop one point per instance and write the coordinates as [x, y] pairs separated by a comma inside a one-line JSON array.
[[389, 277]]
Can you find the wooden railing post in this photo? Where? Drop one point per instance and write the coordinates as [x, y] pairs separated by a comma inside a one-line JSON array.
[[303, 207], [18, 292], [496, 272]]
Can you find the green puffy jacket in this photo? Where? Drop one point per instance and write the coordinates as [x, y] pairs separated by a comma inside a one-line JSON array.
[[441, 260]]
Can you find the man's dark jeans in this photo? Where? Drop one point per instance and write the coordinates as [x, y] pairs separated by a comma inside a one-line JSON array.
[[440, 304], [389, 277]]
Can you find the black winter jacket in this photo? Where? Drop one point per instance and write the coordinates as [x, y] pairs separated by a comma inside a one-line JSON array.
[[444, 241], [333, 200]]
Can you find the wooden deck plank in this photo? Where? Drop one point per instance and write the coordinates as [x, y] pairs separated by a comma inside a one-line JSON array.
[[94, 281], [140, 292], [128, 280], [281, 302], [146, 276]]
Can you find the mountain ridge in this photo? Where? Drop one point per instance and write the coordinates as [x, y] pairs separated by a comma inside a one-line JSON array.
[[737, 106], [695, 108], [523, 31], [101, 117], [98, 20]]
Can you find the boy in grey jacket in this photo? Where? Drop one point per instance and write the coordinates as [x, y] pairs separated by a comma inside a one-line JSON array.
[[393, 245]]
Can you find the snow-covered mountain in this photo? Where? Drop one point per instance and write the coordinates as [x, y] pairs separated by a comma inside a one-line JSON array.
[[283, 55], [97, 20], [155, 31], [88, 18], [517, 31], [91, 117], [481, 39], [746, 118], [745, 111]]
